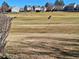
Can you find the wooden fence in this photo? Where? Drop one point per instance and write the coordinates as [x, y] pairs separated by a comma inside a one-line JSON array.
[[5, 23]]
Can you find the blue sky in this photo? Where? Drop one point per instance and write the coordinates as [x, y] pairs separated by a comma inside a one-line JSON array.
[[21, 3]]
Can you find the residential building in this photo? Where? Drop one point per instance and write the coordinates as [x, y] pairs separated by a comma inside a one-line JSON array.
[[37, 8], [77, 8], [29, 8], [70, 7], [5, 7], [15, 9], [21, 10]]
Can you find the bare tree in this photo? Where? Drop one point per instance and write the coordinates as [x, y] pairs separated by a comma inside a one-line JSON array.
[[49, 6]]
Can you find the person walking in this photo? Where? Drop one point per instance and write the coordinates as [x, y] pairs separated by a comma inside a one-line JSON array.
[[49, 18]]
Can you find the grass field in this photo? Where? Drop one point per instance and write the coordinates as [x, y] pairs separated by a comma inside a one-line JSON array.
[[33, 36]]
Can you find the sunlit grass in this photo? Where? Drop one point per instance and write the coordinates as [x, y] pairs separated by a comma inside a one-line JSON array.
[[24, 44]]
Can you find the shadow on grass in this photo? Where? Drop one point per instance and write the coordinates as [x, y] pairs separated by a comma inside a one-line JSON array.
[[52, 50]]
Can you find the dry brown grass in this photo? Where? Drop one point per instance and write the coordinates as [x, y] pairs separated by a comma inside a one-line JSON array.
[[47, 29], [57, 40]]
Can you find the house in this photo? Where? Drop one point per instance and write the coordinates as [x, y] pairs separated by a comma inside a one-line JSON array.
[[15, 9], [5, 7], [0, 9], [77, 8], [21, 10], [43, 9], [29, 8], [71, 7], [37, 8], [58, 8]]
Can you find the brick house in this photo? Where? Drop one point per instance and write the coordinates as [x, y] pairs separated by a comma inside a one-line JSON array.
[[5, 7]]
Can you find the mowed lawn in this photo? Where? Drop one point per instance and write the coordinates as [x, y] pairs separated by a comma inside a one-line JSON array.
[[34, 36], [60, 22]]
